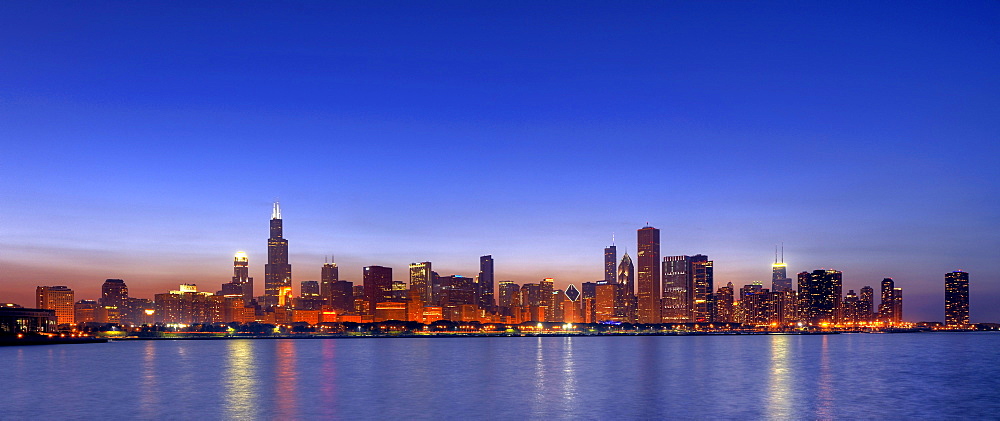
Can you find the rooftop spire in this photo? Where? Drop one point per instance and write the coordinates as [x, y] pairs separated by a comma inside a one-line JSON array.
[[782, 252], [276, 212]]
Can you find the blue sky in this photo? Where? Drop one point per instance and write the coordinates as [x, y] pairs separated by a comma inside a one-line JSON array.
[[146, 140]]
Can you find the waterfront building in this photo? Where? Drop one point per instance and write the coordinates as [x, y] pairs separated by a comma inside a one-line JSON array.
[[507, 291], [754, 304], [867, 303], [114, 293], [546, 287], [625, 302], [84, 311], [781, 310], [852, 312], [604, 303], [887, 307], [14, 320], [897, 305], [648, 280], [678, 290], [420, 280], [59, 298], [703, 279], [377, 286], [820, 295], [610, 260], [188, 306], [277, 271], [328, 275], [724, 304], [485, 287], [956, 298]]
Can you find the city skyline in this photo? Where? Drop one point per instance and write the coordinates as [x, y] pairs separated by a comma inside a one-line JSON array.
[[850, 132]]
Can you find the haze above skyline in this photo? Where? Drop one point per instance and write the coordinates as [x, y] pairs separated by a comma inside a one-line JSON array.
[[146, 141]]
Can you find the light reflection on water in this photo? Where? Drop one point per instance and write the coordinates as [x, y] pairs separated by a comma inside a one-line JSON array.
[[758, 376]]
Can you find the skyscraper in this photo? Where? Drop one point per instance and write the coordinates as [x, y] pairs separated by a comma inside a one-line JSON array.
[[678, 291], [724, 304], [887, 306], [956, 298], [820, 295], [242, 283], [867, 303], [114, 293], [378, 286], [779, 275], [610, 260], [648, 282], [58, 298], [309, 289], [277, 271], [328, 275], [703, 280], [485, 286], [624, 301], [420, 280], [546, 298]]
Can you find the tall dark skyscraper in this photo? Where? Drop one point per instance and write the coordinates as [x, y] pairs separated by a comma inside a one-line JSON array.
[[886, 309], [485, 286], [956, 298], [610, 261], [678, 290], [114, 292], [703, 280], [648, 280], [820, 295], [624, 302], [378, 286], [277, 271], [328, 275]]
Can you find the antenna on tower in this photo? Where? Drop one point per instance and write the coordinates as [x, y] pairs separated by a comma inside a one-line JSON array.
[[324, 260], [782, 252], [276, 211], [612, 238], [775, 253]]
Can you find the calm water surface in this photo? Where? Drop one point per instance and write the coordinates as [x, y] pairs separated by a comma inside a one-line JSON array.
[[849, 376]]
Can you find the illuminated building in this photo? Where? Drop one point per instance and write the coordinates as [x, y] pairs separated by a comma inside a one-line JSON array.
[[114, 293], [754, 304], [897, 305], [420, 280], [820, 296], [648, 280], [329, 274], [242, 283], [724, 299], [956, 298], [678, 290], [545, 288], [703, 279], [390, 310], [484, 283], [84, 311], [26, 320], [399, 291], [188, 306], [886, 308], [378, 286], [507, 292], [457, 290], [625, 300], [866, 300], [610, 260], [309, 289], [277, 271], [604, 302], [58, 298], [852, 309], [781, 307], [779, 273]]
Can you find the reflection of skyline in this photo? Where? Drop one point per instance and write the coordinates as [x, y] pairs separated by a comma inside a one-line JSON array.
[[285, 382], [779, 394], [240, 393]]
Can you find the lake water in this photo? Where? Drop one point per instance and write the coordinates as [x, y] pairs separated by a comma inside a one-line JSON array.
[[871, 376]]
